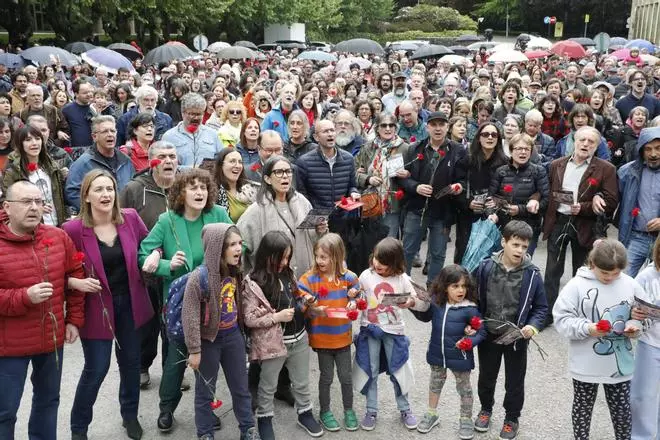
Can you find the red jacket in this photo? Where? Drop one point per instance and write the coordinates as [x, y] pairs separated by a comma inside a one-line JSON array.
[[26, 328]]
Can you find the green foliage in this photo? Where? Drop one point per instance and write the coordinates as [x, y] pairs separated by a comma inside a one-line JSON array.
[[429, 18], [384, 37]]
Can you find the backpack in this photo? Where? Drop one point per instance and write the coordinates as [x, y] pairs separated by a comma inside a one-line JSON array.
[[173, 324]]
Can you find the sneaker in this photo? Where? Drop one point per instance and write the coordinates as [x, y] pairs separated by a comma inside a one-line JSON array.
[[307, 422], [265, 425], [145, 379], [466, 429], [251, 434], [429, 421], [207, 437], [408, 419], [133, 429], [417, 262], [78, 436], [329, 422], [369, 421], [482, 423], [509, 430], [350, 420]]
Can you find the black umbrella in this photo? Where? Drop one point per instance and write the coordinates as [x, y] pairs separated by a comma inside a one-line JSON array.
[[583, 41], [127, 50], [45, 55], [360, 45], [236, 53], [170, 51], [469, 38], [430, 51], [403, 46], [248, 44], [459, 50], [79, 47]]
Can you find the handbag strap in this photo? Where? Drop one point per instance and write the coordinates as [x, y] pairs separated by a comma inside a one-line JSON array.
[[293, 234]]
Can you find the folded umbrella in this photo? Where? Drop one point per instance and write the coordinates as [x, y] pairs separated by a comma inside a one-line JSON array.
[[431, 51], [46, 55], [130, 52], [483, 238], [108, 59], [317, 55], [360, 45], [79, 47]]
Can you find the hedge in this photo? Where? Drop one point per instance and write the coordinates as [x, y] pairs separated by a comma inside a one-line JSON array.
[[441, 37]]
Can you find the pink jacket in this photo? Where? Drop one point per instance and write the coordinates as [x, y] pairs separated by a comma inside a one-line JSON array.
[[266, 336]]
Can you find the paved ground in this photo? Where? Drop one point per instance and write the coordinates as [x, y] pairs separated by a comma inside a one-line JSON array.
[[546, 415]]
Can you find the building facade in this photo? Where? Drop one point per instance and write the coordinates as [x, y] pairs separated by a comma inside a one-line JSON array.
[[644, 21]]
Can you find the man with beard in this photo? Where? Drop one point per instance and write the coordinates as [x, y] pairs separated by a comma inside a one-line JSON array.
[[398, 94], [638, 96], [639, 181], [277, 118], [35, 106], [19, 92], [79, 114], [147, 100], [348, 129], [411, 127]]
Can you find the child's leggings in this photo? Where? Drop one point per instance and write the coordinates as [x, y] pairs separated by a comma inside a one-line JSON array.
[[618, 400], [340, 357], [437, 381]]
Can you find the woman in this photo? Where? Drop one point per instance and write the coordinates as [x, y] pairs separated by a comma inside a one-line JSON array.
[[233, 116], [141, 132], [209, 113], [5, 142], [375, 173], [513, 125], [279, 207], [626, 143], [461, 107], [299, 139], [446, 106], [597, 104], [365, 114], [458, 129], [554, 124], [117, 303], [196, 86], [178, 235], [482, 111], [59, 98], [263, 103], [235, 191], [523, 185], [5, 111], [249, 142], [376, 105], [475, 172], [121, 97], [580, 116], [32, 162], [307, 104]]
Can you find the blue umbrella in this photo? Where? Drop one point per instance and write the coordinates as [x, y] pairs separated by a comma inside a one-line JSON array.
[[48, 55], [641, 44], [317, 55], [107, 59], [618, 41], [11, 60], [483, 238]]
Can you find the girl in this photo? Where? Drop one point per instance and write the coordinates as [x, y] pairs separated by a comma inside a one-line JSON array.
[[5, 142], [212, 330], [277, 332], [452, 307], [593, 312], [329, 284], [382, 330]]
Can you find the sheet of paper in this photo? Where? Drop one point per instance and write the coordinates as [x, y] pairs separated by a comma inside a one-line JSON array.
[[314, 217], [394, 164]]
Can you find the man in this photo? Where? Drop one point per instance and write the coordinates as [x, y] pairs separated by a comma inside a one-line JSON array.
[[326, 174], [276, 118], [432, 165], [639, 211], [34, 105], [271, 144], [417, 80], [59, 155], [638, 96], [147, 100], [411, 127], [100, 79], [384, 83], [37, 269], [19, 92], [533, 89], [450, 88], [194, 142], [123, 74], [508, 95], [585, 177], [348, 129], [103, 155], [398, 94], [544, 144], [417, 96], [79, 114], [570, 82], [588, 74]]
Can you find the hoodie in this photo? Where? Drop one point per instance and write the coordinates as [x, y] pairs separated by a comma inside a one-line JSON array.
[[584, 301], [649, 279], [222, 311]]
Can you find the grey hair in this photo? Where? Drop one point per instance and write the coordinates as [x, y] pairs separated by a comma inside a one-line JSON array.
[[410, 103], [354, 120], [144, 91], [158, 146], [303, 117], [271, 134], [35, 118], [34, 87], [534, 115], [386, 117], [655, 123], [591, 129], [192, 100], [98, 120]]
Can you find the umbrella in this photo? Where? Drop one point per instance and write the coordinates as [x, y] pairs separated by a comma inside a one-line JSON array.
[[534, 54], [248, 44], [49, 55], [430, 51], [469, 38], [11, 60], [344, 64], [649, 59], [317, 55], [474, 47], [360, 45], [454, 59], [130, 52], [236, 53], [568, 48], [583, 41], [504, 46], [403, 46], [618, 41], [621, 54], [483, 237], [106, 58], [508, 56], [642, 44], [539, 43], [167, 53], [215, 47], [459, 50], [79, 47]]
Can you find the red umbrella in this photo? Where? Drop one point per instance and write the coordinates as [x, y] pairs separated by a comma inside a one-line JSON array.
[[567, 48], [534, 54], [621, 54]]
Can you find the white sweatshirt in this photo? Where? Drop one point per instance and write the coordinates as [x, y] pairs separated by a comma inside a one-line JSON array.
[[649, 279]]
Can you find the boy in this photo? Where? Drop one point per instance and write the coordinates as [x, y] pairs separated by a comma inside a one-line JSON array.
[[102, 104], [510, 289]]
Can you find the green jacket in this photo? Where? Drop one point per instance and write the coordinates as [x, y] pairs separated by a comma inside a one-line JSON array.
[[162, 237]]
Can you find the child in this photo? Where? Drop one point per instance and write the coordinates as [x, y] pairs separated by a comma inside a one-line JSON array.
[[215, 333], [382, 332], [453, 306], [329, 284], [277, 332], [510, 290], [593, 312]]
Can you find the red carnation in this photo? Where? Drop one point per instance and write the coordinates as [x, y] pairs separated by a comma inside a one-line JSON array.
[[507, 188], [361, 304], [465, 344], [610, 144], [344, 201], [413, 138], [604, 325], [456, 187], [79, 257], [255, 166], [323, 291], [192, 128], [276, 124], [635, 212], [399, 194], [230, 146], [48, 242], [420, 156], [215, 404], [69, 150], [32, 167], [475, 323], [352, 315], [153, 163], [592, 181], [442, 153]]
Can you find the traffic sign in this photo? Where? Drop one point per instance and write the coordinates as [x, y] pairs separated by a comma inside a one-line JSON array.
[[200, 42], [559, 29], [546, 20], [553, 20], [586, 18]]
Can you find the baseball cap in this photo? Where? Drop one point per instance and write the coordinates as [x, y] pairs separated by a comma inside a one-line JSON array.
[[399, 75], [439, 116], [483, 73], [608, 86], [535, 83]]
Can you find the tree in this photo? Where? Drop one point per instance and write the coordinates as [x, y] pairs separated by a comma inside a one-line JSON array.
[[16, 18]]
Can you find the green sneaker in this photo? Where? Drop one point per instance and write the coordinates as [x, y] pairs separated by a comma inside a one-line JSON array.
[[329, 422], [350, 420], [429, 421]]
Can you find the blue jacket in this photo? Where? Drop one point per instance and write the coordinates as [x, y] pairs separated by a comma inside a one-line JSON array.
[[602, 152], [193, 149], [630, 179], [398, 359], [275, 120], [90, 160], [418, 132], [321, 185], [162, 121], [447, 328], [545, 149]]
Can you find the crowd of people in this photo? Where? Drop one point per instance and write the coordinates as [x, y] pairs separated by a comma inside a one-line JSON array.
[[209, 204]]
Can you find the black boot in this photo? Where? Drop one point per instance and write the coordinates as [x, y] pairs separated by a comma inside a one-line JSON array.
[[265, 425]]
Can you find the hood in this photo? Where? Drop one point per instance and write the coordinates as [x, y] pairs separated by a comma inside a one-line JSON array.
[[146, 179], [213, 236], [645, 136], [526, 261], [585, 272]]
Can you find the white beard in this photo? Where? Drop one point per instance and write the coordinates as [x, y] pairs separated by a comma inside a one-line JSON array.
[[399, 91], [344, 139]]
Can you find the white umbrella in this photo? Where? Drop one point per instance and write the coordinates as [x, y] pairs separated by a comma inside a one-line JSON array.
[[217, 46], [344, 64], [539, 43], [503, 46], [474, 47], [454, 59], [649, 59], [508, 56]]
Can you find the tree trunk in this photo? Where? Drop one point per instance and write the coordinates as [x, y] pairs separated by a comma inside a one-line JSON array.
[[17, 19]]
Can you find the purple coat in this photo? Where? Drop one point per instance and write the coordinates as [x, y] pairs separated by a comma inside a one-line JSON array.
[[131, 233]]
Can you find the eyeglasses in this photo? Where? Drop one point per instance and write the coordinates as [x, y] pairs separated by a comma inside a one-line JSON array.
[[342, 123], [234, 112], [522, 149], [28, 202], [489, 134], [149, 125], [386, 125], [283, 172]]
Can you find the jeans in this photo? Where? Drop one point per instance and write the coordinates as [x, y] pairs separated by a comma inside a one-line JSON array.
[[639, 250], [46, 378], [150, 331], [387, 343], [228, 351], [413, 231], [393, 223], [97, 354], [645, 393]]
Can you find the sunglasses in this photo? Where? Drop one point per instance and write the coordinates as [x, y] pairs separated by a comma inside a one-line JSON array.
[[386, 125], [489, 134], [234, 112]]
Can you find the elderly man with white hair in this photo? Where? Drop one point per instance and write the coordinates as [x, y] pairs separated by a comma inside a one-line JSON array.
[[34, 105], [348, 136], [147, 100], [543, 144], [276, 118]]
